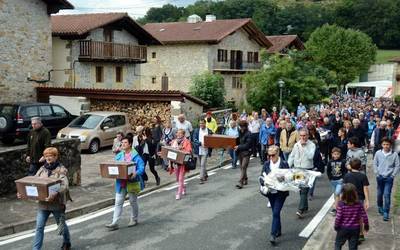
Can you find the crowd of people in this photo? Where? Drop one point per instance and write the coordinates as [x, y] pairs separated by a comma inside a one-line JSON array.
[[335, 137]]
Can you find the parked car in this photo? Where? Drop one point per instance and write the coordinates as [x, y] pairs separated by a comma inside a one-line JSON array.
[[96, 129], [15, 119]]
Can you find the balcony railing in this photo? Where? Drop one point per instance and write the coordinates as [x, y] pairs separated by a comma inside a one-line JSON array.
[[108, 51], [236, 66]]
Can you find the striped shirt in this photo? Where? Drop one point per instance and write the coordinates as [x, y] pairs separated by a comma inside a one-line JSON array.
[[349, 216]]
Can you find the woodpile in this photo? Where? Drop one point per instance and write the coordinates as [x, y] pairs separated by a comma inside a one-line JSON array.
[[139, 113]]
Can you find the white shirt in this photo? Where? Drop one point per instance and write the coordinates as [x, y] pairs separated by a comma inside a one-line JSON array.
[[202, 133], [274, 166], [186, 125], [254, 126]]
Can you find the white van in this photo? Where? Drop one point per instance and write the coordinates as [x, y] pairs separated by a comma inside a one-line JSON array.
[[376, 88], [76, 105]]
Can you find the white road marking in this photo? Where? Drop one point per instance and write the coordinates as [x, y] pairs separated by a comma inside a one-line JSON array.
[[309, 229]]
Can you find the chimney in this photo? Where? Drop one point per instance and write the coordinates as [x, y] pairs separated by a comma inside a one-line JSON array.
[[210, 18], [194, 19]]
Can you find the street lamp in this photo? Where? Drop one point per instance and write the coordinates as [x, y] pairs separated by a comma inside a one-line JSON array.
[[281, 85]]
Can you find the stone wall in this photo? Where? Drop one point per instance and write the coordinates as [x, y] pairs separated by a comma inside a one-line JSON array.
[[139, 113], [25, 47], [13, 165]]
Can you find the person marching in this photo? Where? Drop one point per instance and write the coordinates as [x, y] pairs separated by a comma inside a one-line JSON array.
[[181, 143], [275, 197], [243, 150], [55, 203], [200, 151], [132, 186]]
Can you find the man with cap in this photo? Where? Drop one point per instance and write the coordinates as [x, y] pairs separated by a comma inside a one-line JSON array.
[[211, 123]]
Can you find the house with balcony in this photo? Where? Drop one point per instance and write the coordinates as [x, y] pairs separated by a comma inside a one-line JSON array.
[[102, 50], [228, 47], [281, 44], [25, 46]]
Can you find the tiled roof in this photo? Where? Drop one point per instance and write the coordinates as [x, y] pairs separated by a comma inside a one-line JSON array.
[[204, 32], [283, 41], [63, 4], [80, 25], [120, 94]]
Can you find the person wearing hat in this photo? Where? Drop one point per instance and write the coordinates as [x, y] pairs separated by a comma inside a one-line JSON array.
[[275, 197], [211, 123], [243, 150]]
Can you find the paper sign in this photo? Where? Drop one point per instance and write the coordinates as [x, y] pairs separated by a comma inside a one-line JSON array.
[[113, 171], [54, 188], [31, 191], [187, 157], [131, 170], [172, 155]]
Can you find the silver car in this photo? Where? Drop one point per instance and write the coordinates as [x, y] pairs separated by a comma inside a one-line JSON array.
[[96, 129]]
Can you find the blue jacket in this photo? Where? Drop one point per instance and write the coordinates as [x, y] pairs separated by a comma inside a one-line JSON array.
[[139, 169], [196, 141], [265, 133], [266, 169]]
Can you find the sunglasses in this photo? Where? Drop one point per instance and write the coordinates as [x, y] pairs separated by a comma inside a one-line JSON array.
[[272, 155]]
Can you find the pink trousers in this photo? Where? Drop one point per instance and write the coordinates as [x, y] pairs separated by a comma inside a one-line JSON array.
[[180, 178]]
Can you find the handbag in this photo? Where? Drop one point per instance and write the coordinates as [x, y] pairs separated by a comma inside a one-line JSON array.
[[190, 164]]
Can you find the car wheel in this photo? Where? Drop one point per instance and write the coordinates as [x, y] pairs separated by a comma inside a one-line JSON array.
[[5, 123], [8, 140], [94, 146]]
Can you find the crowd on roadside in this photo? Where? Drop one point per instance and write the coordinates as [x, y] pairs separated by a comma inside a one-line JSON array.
[[335, 137]]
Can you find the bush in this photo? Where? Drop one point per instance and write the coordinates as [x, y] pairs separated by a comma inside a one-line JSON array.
[[210, 88]]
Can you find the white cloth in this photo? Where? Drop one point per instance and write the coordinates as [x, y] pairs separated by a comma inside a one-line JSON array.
[[273, 166], [202, 133], [254, 126]]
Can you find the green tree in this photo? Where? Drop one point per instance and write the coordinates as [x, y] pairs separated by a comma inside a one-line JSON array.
[[210, 88], [345, 52], [304, 81], [167, 13]]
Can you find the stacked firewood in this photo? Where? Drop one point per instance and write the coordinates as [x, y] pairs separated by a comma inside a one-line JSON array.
[[139, 113]]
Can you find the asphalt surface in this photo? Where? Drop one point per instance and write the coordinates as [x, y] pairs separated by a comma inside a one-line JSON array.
[[211, 216]]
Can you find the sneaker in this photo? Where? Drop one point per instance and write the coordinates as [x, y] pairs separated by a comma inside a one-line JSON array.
[[184, 192], [112, 226], [201, 181], [132, 223], [158, 180], [299, 214], [333, 211], [278, 235], [380, 210], [269, 204], [361, 238], [272, 239], [386, 216], [177, 197], [66, 246], [239, 186], [311, 197]]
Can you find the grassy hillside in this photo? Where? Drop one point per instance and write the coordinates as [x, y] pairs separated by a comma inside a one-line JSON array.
[[383, 56]]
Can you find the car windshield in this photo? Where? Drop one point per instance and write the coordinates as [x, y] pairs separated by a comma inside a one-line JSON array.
[[87, 121], [7, 110]]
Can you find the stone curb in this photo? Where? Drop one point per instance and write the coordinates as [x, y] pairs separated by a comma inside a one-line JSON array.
[[89, 208]]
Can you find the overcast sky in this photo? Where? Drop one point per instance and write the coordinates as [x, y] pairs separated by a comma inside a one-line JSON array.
[[136, 8]]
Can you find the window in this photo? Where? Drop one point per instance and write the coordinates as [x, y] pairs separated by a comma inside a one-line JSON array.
[[45, 111], [236, 82], [30, 112], [119, 120], [250, 57], [108, 122], [99, 73], [153, 55], [118, 74], [153, 80], [58, 111], [222, 55], [256, 59], [108, 35]]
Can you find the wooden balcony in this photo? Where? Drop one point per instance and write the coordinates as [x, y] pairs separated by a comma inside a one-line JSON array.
[[235, 66], [112, 52]]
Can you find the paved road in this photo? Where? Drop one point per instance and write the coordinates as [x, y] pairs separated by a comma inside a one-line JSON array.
[[210, 216]]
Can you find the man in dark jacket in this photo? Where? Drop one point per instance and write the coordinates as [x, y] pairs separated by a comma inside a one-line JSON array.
[[39, 138], [243, 150], [358, 131]]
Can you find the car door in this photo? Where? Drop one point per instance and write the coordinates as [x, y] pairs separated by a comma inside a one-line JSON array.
[[48, 119], [61, 117], [108, 132]]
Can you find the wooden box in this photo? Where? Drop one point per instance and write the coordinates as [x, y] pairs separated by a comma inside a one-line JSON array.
[[117, 169], [219, 141], [37, 188], [174, 154]]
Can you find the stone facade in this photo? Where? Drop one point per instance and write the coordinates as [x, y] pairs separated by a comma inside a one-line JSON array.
[[13, 165], [181, 62], [66, 53], [25, 48]]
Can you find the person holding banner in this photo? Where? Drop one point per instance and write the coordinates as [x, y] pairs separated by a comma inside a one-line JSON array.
[[275, 197]]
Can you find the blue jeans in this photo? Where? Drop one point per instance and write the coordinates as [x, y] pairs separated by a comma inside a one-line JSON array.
[[41, 219], [384, 185], [233, 155], [337, 186], [276, 201]]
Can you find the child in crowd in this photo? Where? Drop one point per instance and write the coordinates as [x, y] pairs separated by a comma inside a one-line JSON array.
[[350, 212], [336, 169], [360, 181], [386, 167], [355, 152]]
